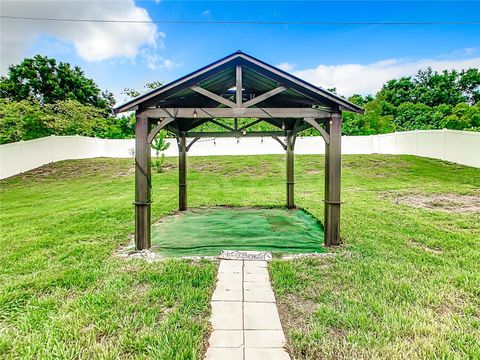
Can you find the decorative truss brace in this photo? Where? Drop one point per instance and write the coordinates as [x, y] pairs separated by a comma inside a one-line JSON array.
[[238, 93], [160, 125], [320, 129]]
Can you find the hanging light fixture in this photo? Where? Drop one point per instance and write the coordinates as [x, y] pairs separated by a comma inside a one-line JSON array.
[[194, 113], [214, 142], [283, 126]]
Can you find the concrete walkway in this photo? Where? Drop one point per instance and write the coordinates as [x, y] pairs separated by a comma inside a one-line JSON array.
[[245, 320]]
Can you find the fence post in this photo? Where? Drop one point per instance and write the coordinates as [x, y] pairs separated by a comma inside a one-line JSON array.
[[416, 142], [444, 144]]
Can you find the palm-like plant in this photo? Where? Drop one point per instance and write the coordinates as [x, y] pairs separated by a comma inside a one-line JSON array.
[[159, 144]]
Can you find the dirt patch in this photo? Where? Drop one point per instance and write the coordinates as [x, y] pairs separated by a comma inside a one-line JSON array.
[[435, 250], [453, 203], [72, 169], [293, 311]]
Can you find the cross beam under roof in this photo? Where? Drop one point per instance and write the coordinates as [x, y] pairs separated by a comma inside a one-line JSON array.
[[210, 113], [221, 134]]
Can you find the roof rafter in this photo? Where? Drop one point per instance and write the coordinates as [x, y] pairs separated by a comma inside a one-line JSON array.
[[213, 96], [264, 96]]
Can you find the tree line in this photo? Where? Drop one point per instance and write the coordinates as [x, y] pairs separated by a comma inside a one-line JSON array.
[[41, 97]]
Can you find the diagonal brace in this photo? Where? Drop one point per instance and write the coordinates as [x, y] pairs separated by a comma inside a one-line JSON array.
[[280, 142], [213, 96], [264, 96], [221, 125], [192, 142], [161, 124], [320, 129]]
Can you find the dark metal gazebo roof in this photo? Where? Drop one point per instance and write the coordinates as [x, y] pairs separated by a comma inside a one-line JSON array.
[[214, 86]]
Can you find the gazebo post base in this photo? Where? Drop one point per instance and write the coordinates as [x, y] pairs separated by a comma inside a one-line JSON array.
[[182, 172], [142, 183], [332, 180], [290, 171]]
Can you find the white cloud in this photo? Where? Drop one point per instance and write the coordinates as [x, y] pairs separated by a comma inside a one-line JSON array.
[[351, 79], [92, 41], [156, 61], [285, 66]]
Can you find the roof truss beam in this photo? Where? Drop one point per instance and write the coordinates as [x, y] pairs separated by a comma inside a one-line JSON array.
[[218, 123], [213, 96], [264, 96], [219, 134], [239, 86], [210, 113]]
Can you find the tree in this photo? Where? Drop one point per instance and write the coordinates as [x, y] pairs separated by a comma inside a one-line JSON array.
[[412, 116], [27, 120], [44, 80], [159, 144], [463, 117], [133, 93], [372, 122], [470, 85]]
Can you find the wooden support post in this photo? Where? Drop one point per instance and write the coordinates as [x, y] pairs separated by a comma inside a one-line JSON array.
[[182, 172], [332, 180], [142, 183], [239, 85], [290, 170]]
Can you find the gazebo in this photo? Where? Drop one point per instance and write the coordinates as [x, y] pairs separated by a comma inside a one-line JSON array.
[[237, 86]]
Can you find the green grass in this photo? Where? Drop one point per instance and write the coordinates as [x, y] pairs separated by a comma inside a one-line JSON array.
[[405, 284], [207, 231]]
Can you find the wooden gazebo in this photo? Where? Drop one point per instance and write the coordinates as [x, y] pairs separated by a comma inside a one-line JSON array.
[[237, 86]]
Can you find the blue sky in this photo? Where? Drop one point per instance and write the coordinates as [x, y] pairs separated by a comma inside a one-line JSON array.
[[354, 58]]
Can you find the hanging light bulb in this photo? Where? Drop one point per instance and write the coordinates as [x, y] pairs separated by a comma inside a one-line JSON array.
[[261, 140], [244, 132], [214, 142], [283, 126], [238, 140], [194, 113]]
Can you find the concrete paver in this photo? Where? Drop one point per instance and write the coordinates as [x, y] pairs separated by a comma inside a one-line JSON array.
[[226, 338], [265, 354], [227, 315], [264, 338], [218, 353], [245, 320]]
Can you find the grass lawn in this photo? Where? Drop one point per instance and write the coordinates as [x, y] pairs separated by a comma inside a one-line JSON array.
[[405, 284]]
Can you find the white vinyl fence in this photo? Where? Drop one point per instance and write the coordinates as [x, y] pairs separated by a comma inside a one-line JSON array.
[[461, 147]]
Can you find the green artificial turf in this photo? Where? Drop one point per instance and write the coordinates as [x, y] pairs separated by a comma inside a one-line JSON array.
[[207, 231], [404, 285]]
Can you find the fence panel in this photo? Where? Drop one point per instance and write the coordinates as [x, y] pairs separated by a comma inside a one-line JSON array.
[[462, 147]]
